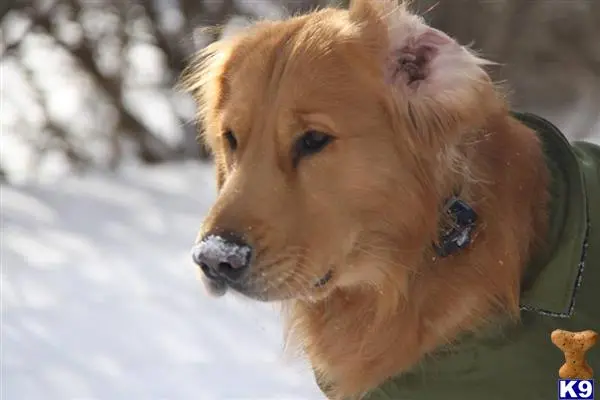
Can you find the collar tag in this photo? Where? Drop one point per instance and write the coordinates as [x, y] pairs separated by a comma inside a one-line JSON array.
[[458, 235]]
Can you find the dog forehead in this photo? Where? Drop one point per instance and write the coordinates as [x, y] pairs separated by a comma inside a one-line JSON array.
[[311, 64], [307, 46]]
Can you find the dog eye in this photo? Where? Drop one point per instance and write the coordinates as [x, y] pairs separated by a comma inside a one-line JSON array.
[[311, 142], [231, 140]]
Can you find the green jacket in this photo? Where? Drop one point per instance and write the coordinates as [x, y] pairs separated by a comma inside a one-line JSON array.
[[564, 293]]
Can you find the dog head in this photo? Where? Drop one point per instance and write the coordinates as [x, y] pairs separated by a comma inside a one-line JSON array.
[[327, 131]]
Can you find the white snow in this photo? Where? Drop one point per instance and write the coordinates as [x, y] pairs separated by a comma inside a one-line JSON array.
[[216, 247], [100, 298]]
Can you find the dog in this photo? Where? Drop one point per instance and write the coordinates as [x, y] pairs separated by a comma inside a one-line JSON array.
[[422, 238]]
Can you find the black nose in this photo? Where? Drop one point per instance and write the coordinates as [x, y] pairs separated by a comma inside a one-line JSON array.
[[222, 257]]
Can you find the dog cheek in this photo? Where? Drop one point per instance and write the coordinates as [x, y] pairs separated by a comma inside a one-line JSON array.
[[220, 178], [220, 170]]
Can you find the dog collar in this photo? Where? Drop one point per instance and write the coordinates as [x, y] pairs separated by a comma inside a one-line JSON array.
[[457, 235]]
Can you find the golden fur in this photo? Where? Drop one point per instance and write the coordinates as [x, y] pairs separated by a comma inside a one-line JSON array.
[[368, 206]]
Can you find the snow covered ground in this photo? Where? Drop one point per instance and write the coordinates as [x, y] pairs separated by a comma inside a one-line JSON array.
[[100, 299]]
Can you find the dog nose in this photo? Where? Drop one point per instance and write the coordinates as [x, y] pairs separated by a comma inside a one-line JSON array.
[[222, 257]]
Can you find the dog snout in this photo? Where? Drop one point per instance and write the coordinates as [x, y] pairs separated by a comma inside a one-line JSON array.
[[223, 257]]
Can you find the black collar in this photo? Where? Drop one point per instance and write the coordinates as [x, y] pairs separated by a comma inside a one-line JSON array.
[[456, 235]]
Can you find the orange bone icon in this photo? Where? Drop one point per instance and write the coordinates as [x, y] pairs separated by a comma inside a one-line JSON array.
[[574, 345]]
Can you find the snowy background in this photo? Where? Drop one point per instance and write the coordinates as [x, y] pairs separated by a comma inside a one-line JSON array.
[[102, 189], [100, 299]]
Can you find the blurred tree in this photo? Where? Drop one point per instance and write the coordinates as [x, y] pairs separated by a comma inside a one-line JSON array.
[[548, 50], [103, 42], [126, 55]]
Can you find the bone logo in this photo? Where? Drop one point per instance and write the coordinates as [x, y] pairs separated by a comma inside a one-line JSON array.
[[576, 374]]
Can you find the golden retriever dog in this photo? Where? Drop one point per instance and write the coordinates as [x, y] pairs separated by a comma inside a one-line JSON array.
[[338, 137]]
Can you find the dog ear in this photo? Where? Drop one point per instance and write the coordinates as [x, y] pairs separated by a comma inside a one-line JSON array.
[[439, 82], [204, 79]]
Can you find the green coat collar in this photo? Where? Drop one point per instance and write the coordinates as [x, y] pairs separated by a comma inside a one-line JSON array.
[[553, 280]]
